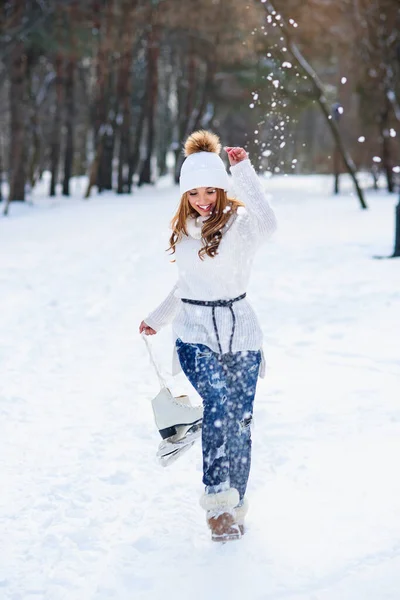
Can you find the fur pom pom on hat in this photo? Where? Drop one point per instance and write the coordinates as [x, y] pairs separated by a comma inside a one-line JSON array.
[[202, 141], [203, 166]]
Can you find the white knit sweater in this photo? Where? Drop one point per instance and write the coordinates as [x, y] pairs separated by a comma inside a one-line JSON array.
[[223, 277]]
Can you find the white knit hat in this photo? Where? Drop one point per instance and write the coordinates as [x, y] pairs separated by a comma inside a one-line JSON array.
[[203, 167]]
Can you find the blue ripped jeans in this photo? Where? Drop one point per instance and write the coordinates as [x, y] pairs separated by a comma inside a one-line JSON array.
[[227, 385]]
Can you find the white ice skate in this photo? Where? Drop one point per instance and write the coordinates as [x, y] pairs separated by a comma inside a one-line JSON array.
[[178, 422]]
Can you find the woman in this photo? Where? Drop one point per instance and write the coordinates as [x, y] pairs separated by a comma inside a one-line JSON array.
[[218, 338]]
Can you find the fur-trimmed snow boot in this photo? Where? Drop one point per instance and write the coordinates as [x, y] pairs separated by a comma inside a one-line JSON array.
[[240, 513], [221, 519]]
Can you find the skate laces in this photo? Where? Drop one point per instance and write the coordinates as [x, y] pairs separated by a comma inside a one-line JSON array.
[[163, 383]]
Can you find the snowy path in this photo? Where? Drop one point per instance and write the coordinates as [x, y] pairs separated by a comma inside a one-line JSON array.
[[85, 511]]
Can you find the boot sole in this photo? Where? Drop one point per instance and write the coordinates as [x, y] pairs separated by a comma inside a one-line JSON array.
[[226, 538]]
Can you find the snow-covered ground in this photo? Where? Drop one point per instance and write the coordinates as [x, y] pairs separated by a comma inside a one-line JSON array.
[[86, 513]]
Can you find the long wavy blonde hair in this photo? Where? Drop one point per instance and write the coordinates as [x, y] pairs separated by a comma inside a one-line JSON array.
[[211, 232]]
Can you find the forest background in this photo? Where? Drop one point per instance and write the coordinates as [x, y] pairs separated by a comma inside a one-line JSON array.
[[110, 88]]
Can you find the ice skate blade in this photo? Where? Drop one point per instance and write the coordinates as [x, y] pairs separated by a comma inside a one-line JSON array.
[[170, 449], [169, 446], [167, 459]]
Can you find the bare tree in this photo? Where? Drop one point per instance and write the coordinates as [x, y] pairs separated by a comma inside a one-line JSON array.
[[18, 111], [319, 92], [55, 146], [69, 90], [153, 51]]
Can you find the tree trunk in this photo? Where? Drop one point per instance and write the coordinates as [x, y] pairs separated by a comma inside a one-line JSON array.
[[385, 136], [180, 68], [375, 177], [101, 160], [319, 96], [187, 111], [69, 124], [80, 160], [165, 119], [124, 91], [18, 114], [33, 167], [105, 173], [153, 50], [55, 148], [124, 138], [34, 130], [336, 154], [194, 119], [336, 171], [396, 251], [70, 77], [94, 168], [1, 170], [123, 156], [134, 158], [124, 96]]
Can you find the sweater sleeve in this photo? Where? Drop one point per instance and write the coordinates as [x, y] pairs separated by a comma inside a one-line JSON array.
[[165, 312], [259, 217]]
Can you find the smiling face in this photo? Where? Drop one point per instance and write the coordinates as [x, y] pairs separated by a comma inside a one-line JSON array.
[[202, 200]]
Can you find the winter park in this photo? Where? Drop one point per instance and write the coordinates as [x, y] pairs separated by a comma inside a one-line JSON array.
[[199, 300]]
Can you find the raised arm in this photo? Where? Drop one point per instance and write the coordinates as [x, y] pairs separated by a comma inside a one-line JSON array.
[[260, 216], [164, 313]]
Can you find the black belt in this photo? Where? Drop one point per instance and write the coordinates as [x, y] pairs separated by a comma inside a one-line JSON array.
[[214, 304]]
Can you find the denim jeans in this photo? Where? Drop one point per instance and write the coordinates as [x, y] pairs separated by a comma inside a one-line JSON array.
[[227, 385]]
